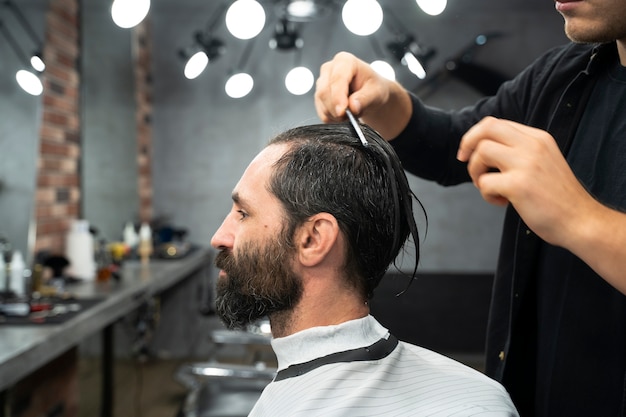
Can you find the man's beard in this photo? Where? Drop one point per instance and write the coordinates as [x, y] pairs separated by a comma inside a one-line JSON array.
[[259, 282]]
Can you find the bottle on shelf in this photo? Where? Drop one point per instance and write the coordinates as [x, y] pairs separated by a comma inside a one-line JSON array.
[[145, 243]]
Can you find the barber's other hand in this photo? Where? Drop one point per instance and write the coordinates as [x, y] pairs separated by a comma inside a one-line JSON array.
[[511, 162], [348, 82]]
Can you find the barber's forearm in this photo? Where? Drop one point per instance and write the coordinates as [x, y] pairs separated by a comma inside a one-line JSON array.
[[600, 241]]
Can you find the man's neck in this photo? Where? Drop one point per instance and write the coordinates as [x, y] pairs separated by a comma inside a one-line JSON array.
[[621, 50], [309, 313]]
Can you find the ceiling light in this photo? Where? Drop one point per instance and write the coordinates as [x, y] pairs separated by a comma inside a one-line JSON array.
[[37, 63], [299, 81], [414, 65], [29, 82], [245, 19], [432, 7], [129, 13], [196, 64], [239, 85], [410, 54], [286, 36], [302, 9], [198, 56], [384, 68], [362, 17]]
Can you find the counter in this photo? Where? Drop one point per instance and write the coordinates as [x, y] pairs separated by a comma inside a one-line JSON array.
[[24, 349]]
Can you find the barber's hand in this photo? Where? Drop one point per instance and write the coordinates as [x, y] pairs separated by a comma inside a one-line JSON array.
[[511, 162], [348, 82]]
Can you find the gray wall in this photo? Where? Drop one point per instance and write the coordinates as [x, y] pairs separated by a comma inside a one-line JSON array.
[[109, 163], [20, 115]]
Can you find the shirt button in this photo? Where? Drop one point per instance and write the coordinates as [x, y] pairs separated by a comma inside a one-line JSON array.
[[501, 355]]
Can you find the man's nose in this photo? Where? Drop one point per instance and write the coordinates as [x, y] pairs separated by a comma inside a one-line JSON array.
[[224, 236]]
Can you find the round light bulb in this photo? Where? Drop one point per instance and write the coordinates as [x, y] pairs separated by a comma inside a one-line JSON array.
[[432, 7], [196, 64], [301, 8], [29, 82], [414, 65], [384, 68], [299, 81], [37, 63], [239, 85], [362, 17], [129, 13], [245, 19]]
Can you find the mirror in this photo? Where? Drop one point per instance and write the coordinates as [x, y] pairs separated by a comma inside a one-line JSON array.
[[19, 128]]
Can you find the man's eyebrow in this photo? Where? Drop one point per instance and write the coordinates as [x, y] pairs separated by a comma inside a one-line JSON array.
[[237, 199]]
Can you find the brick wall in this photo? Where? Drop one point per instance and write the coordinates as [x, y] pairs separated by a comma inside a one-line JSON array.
[[143, 91], [58, 177], [58, 194]]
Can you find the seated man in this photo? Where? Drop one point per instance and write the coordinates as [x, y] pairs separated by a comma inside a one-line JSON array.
[[317, 218]]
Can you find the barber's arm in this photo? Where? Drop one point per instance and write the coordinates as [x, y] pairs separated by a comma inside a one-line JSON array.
[[532, 174]]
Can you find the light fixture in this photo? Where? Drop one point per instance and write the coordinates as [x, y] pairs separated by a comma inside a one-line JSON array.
[[195, 65], [302, 10], [286, 36], [205, 49], [29, 82], [245, 19], [36, 60], [432, 7], [411, 54], [239, 85], [129, 13], [26, 79], [299, 81], [362, 17]]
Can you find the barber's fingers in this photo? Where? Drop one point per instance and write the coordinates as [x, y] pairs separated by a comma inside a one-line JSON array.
[[508, 161], [492, 187], [488, 156], [489, 128], [344, 82], [331, 93]]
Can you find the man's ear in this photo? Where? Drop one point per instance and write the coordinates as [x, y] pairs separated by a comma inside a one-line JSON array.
[[316, 238]]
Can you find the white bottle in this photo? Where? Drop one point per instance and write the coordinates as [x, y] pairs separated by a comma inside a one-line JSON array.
[[145, 243], [3, 273], [18, 285], [131, 239], [80, 251]]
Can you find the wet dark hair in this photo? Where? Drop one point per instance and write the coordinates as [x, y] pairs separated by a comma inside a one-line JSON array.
[[328, 169]]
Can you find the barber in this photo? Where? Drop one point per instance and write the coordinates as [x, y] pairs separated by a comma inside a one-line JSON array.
[[551, 146]]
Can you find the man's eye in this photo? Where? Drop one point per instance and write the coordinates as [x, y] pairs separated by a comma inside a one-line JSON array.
[[243, 214]]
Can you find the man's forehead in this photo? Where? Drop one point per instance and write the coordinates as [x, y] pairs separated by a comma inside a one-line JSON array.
[[256, 175]]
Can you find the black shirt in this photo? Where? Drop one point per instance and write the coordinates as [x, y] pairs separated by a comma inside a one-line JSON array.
[[556, 94]]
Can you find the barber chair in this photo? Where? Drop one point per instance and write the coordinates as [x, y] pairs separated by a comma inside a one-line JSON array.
[[231, 381]]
